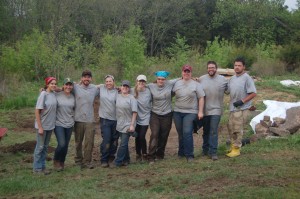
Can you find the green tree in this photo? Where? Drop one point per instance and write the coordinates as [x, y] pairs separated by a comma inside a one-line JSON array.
[[126, 52], [179, 51], [249, 21]]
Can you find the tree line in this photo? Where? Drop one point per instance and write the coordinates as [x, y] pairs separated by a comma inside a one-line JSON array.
[[38, 37]]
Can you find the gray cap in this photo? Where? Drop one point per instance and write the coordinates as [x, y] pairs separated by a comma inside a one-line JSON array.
[[125, 83]]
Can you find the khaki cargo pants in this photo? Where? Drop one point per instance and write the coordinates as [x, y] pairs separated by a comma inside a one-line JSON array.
[[236, 124], [84, 138]]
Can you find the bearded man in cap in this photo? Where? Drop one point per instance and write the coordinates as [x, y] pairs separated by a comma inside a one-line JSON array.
[[84, 127]]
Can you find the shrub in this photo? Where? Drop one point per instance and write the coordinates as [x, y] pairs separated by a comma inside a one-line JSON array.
[[268, 67], [124, 52], [290, 55]]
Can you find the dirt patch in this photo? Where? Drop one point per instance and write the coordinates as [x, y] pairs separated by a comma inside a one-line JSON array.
[[25, 147]]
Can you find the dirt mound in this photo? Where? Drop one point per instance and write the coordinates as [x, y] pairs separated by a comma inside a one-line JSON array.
[[26, 147]]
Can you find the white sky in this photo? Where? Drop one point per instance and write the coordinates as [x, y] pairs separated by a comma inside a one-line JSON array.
[[292, 4]]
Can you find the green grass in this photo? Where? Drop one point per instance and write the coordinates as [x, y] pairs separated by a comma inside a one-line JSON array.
[[23, 96], [274, 84], [266, 169]]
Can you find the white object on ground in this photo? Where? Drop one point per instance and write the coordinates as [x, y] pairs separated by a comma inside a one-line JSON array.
[[290, 83], [274, 109]]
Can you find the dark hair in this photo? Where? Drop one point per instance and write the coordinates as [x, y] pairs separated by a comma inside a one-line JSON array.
[[240, 59], [212, 62], [86, 72]]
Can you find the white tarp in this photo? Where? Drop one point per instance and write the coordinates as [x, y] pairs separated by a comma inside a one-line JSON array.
[[274, 109], [290, 83]]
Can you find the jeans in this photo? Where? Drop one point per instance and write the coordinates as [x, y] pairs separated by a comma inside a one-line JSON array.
[[84, 131], [210, 134], [160, 126], [184, 126], [109, 145], [140, 140], [40, 151], [63, 136], [123, 151]]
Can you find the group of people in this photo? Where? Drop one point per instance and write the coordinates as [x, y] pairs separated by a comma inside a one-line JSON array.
[[128, 111]]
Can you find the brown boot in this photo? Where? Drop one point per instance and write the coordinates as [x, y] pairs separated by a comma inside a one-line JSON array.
[[56, 164], [62, 165]]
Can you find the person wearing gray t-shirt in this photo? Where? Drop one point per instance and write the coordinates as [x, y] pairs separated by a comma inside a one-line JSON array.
[[108, 121], [45, 114], [126, 113], [143, 96], [189, 102], [64, 123], [214, 86], [161, 115], [242, 90], [84, 129]]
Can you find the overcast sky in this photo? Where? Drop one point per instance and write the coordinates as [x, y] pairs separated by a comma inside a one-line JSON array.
[[292, 4]]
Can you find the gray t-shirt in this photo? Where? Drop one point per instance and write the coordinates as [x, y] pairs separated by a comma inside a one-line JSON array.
[[239, 87], [84, 102], [162, 97], [125, 106], [65, 110], [187, 94], [214, 88], [108, 98], [47, 103], [144, 100]]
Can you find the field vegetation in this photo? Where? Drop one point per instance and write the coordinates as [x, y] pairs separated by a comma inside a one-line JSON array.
[[62, 38]]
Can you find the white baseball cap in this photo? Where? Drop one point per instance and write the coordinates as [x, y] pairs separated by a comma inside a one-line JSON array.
[[141, 77]]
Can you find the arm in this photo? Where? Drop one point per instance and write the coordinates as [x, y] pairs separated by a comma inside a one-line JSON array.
[[38, 121], [201, 105], [249, 97], [133, 119]]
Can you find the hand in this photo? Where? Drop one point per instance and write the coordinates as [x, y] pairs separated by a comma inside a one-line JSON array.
[[41, 131], [200, 115], [238, 103], [131, 128]]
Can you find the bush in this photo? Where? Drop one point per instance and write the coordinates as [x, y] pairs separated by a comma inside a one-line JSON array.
[[290, 55], [268, 67], [219, 51], [124, 52]]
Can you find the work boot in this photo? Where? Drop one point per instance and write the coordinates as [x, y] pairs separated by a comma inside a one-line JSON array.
[[234, 152]]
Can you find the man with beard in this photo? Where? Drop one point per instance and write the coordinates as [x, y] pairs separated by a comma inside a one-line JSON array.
[[214, 86], [84, 129], [242, 90]]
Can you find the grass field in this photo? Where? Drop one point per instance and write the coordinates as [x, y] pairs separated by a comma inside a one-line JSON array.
[[266, 168]]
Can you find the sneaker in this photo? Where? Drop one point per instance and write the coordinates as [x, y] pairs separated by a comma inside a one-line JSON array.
[[42, 172], [190, 160], [46, 171], [87, 166], [104, 165], [214, 157], [151, 162]]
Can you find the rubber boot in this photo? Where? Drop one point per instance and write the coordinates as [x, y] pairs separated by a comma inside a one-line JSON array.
[[230, 149], [234, 152]]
